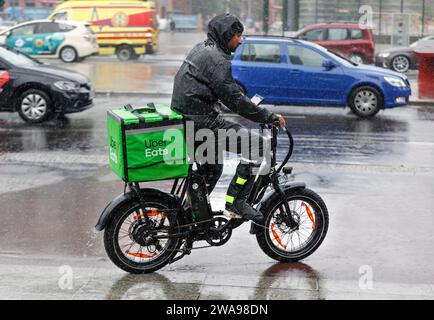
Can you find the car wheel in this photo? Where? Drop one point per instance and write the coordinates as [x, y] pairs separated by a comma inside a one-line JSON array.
[[400, 64], [366, 101], [34, 106], [357, 58], [125, 53], [68, 54]]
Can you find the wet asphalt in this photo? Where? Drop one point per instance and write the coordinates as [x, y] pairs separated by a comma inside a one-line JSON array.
[[376, 177]]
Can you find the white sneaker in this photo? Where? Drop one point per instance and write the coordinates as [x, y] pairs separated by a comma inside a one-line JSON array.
[[231, 215]]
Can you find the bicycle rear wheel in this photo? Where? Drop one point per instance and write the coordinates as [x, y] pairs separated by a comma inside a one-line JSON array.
[[129, 241]]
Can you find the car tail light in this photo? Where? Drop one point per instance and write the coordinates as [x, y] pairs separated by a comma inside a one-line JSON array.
[[87, 36], [4, 78]]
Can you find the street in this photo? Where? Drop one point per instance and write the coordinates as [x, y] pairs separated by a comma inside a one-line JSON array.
[[376, 177]]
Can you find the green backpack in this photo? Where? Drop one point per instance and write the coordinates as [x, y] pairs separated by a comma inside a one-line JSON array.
[[147, 144]]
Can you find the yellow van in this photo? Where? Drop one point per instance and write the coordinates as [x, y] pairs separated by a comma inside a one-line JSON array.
[[125, 28]]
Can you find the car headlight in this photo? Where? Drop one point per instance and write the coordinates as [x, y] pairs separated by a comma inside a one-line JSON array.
[[67, 85], [396, 82], [384, 54]]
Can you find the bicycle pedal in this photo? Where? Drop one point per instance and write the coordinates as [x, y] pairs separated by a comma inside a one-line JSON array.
[[231, 215]]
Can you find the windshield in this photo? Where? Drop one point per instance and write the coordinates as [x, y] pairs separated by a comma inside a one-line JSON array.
[[17, 58], [338, 57], [342, 59]]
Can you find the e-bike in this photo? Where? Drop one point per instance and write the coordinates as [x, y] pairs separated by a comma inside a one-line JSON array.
[[146, 228]]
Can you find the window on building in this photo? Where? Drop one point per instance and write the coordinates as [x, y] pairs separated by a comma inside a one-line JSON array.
[[337, 34], [304, 56], [262, 52], [30, 3]]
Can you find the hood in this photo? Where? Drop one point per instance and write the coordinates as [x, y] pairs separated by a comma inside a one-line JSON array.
[[59, 73], [222, 28], [379, 71]]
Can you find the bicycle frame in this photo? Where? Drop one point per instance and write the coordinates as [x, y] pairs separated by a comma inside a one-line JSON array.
[[179, 189]]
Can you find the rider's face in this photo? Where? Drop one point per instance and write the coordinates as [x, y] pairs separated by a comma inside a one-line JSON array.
[[235, 42]]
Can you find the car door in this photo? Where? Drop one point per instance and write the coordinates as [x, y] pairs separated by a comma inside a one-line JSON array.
[[338, 41], [22, 38], [48, 37], [258, 67], [308, 82]]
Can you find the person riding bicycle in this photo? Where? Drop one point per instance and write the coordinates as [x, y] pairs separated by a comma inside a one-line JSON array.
[[203, 82]]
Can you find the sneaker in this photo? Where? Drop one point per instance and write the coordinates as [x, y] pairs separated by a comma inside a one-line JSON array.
[[246, 211], [231, 215]]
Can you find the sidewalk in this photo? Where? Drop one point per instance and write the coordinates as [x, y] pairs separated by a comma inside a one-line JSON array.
[[70, 280]]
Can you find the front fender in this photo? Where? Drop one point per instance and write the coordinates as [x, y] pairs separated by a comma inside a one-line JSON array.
[[123, 198], [272, 197], [287, 188]]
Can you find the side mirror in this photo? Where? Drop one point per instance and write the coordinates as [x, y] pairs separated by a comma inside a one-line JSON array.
[[328, 64]]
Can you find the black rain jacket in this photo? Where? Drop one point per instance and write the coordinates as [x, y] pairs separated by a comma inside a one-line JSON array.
[[205, 78]]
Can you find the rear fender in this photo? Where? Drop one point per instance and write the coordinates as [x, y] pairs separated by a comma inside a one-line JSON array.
[[123, 198]]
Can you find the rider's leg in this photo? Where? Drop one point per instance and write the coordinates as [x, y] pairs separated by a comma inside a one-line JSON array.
[[243, 181], [238, 194]]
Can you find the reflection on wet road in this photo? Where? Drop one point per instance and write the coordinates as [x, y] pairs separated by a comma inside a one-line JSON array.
[[376, 177]]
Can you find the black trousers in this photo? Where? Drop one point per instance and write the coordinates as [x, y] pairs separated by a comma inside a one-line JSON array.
[[228, 136]]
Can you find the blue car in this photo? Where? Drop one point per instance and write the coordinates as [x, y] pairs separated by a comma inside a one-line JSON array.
[[296, 72]]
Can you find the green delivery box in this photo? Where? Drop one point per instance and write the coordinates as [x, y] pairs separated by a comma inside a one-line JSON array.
[[147, 144]]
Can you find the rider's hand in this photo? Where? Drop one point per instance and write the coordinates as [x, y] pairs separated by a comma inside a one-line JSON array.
[[281, 121]]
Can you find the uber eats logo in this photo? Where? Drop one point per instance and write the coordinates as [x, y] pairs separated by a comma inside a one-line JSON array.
[[113, 155], [154, 148]]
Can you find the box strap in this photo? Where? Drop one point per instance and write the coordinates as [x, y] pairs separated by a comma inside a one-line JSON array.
[[150, 106]]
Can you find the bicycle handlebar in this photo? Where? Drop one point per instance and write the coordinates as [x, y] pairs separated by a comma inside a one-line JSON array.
[[274, 143]]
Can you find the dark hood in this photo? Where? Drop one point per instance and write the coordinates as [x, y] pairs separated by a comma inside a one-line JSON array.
[[58, 73], [222, 28]]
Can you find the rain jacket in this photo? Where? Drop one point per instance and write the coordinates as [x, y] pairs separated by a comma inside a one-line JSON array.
[[205, 78]]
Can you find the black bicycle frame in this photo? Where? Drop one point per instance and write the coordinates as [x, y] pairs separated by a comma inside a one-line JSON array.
[[179, 189]]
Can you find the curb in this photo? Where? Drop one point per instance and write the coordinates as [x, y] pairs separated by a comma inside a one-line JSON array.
[[132, 93], [423, 103]]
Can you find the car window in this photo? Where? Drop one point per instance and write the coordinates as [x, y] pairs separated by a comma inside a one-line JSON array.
[[66, 27], [314, 35], [61, 16], [303, 56], [28, 29], [262, 52], [356, 34], [335, 34], [47, 27]]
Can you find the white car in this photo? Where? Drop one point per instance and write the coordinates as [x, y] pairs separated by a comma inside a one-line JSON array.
[[69, 41]]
